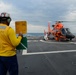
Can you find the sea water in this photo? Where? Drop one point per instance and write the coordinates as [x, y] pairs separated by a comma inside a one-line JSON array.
[[34, 34]]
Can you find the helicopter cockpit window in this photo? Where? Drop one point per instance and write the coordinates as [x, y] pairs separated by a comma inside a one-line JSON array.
[[63, 31]]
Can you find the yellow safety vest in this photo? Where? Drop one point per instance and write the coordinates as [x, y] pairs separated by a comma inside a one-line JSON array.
[[8, 41]]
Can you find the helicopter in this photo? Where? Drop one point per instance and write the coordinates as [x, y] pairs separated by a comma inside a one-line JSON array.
[[59, 33]]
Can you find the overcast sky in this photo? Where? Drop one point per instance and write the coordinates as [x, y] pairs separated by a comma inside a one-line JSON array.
[[37, 13]]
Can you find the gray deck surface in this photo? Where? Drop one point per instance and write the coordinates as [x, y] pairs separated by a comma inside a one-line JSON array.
[[48, 64]]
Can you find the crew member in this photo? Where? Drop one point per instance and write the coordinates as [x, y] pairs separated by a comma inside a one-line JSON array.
[[46, 36], [8, 43]]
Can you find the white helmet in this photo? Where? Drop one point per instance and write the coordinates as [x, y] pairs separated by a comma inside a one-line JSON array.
[[5, 17]]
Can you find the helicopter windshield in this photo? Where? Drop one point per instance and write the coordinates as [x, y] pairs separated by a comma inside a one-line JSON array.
[[65, 31]]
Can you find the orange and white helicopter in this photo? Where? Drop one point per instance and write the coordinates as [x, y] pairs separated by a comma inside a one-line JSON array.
[[59, 32]]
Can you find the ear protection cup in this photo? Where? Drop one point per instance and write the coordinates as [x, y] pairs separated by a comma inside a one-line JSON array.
[[8, 20]]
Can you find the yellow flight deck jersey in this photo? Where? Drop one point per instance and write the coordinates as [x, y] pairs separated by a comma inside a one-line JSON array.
[[8, 41]]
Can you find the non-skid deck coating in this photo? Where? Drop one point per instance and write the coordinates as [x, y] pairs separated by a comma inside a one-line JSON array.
[[58, 63]]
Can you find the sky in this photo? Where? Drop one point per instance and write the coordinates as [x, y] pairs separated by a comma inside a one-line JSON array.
[[38, 13]]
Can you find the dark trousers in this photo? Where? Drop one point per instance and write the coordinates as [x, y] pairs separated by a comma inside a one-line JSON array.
[[9, 64]]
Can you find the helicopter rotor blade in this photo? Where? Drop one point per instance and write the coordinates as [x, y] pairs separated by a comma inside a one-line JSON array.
[[66, 21]]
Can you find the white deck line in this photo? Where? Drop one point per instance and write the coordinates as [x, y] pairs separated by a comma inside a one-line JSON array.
[[58, 42], [49, 52]]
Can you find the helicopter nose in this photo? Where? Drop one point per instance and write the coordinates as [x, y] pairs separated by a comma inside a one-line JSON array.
[[70, 36]]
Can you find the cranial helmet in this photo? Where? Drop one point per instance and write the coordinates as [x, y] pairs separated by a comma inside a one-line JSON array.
[[5, 17]]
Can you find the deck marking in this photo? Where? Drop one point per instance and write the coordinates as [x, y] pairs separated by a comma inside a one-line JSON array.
[[24, 52], [49, 52], [58, 42], [74, 42]]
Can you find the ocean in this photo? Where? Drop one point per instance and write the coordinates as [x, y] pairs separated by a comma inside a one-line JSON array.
[[38, 34], [35, 34]]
